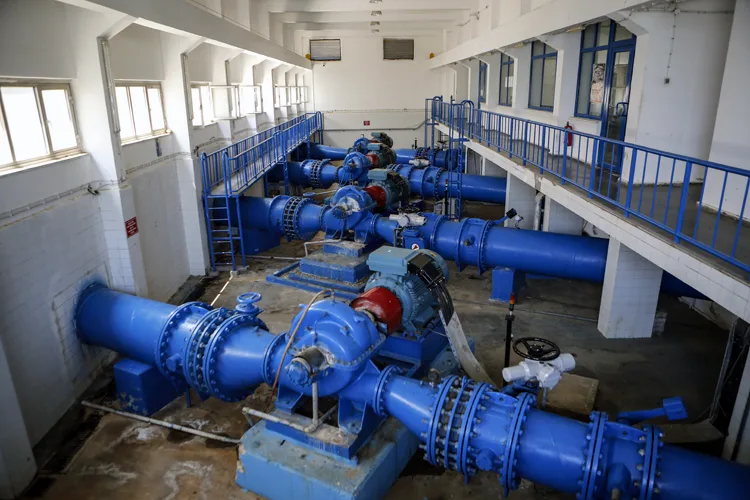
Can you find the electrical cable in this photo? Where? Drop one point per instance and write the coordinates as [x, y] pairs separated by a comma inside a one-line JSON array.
[[327, 293]]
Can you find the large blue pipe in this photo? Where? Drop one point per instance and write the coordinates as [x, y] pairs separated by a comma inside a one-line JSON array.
[[440, 159], [475, 242], [321, 152], [431, 182], [463, 425]]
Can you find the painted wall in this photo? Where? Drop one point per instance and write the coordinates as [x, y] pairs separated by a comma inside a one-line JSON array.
[[344, 90], [730, 144]]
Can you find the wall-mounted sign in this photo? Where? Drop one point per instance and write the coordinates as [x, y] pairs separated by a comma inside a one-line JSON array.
[[597, 83], [131, 227], [366, 123]]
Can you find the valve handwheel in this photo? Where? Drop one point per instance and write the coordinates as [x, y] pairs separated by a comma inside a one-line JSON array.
[[536, 348]]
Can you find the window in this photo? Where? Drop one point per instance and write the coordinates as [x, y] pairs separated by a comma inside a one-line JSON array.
[[543, 74], [596, 42], [251, 99], [506, 80], [294, 95], [482, 81], [395, 49], [325, 50], [282, 96], [140, 110], [203, 113], [36, 122], [303, 95]]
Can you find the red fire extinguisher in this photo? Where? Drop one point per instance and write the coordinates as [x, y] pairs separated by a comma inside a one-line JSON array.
[[569, 135]]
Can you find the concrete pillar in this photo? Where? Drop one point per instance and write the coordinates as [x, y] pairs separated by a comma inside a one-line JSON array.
[[473, 80], [522, 198], [492, 169], [558, 219], [99, 128], [629, 295], [493, 79], [17, 465]]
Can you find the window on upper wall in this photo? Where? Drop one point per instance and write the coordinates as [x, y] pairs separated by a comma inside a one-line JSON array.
[[543, 75], [482, 81], [597, 41], [506, 80], [251, 99], [203, 113], [36, 123], [140, 110], [395, 49], [303, 94], [282, 96], [325, 50]]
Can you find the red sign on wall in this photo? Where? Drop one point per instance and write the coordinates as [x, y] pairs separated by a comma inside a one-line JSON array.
[[131, 227], [366, 123]]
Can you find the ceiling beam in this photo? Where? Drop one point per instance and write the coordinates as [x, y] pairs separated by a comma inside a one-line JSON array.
[[278, 6]]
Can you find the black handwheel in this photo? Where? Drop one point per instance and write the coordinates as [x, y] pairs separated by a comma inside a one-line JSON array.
[[536, 348]]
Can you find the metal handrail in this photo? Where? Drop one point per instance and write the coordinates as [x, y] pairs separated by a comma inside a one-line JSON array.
[[595, 165]]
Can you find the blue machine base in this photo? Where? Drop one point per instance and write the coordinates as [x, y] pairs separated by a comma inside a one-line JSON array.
[[276, 467], [141, 388], [506, 281]]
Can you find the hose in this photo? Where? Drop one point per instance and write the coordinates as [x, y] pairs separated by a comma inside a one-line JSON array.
[[289, 344]]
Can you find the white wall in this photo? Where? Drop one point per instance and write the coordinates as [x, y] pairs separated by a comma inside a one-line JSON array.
[[363, 86], [730, 144]]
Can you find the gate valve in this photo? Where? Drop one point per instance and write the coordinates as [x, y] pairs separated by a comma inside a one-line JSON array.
[[672, 408], [246, 304], [542, 363]]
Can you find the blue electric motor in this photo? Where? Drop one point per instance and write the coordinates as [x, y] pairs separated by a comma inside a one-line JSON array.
[[413, 276]]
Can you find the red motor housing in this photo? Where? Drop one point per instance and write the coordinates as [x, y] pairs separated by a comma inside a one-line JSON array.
[[381, 303], [377, 193]]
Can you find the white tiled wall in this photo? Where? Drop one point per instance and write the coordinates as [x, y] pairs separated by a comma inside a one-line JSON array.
[[48, 257]]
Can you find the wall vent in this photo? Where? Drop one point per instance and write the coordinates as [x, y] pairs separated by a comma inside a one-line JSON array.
[[325, 50], [398, 48]]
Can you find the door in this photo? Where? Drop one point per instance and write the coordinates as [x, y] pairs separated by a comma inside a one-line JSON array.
[[619, 70]]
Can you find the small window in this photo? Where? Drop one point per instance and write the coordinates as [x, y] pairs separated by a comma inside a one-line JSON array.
[[223, 102], [251, 99], [282, 97], [325, 50], [303, 95], [395, 49], [506, 80], [203, 113], [482, 81], [596, 42], [543, 75], [36, 123], [294, 95], [140, 109]]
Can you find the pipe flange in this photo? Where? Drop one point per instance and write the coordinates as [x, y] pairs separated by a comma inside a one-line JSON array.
[[315, 173], [196, 347], [433, 234], [464, 435], [451, 462], [162, 343], [214, 348], [421, 152], [436, 181], [458, 244], [509, 478], [378, 399], [653, 443], [269, 369], [480, 248], [591, 471], [452, 382], [291, 217]]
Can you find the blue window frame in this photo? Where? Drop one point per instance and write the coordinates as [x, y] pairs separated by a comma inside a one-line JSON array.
[[482, 81], [506, 80], [597, 40], [543, 75]]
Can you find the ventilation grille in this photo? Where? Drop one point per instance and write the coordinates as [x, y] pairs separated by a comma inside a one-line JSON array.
[[325, 50], [398, 48]]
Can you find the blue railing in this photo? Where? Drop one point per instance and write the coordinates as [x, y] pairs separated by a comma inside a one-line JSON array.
[[663, 190]]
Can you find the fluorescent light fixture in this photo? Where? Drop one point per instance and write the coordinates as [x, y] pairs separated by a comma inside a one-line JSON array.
[[376, 13], [374, 23], [376, 1]]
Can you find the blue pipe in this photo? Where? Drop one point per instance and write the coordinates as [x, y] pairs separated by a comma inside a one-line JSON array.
[[321, 152], [477, 242], [431, 182], [438, 158], [463, 425]]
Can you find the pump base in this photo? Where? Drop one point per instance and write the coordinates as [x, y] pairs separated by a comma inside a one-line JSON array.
[[506, 281], [141, 388]]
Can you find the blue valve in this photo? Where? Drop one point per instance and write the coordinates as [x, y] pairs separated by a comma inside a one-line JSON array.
[[672, 408], [246, 303]]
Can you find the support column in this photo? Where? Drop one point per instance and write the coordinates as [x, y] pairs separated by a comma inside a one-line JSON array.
[[737, 444], [629, 295], [17, 465], [522, 198], [558, 219], [492, 169]]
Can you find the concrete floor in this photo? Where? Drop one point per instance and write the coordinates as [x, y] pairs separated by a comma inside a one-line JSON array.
[[124, 459]]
